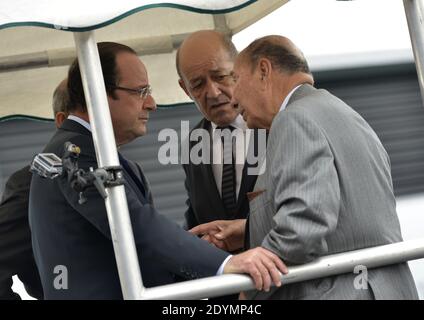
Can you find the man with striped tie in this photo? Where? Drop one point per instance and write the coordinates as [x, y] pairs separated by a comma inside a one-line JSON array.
[[217, 190]]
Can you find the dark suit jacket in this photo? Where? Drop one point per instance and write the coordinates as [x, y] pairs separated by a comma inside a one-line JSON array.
[[204, 201], [16, 256], [78, 236]]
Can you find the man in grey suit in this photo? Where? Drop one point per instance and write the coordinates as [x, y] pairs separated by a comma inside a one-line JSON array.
[[327, 187]]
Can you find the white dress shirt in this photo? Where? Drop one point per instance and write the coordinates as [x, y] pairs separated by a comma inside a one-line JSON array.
[[287, 99], [239, 152]]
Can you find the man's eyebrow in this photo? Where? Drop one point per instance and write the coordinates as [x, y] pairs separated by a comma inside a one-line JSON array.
[[195, 79], [221, 70], [141, 86]]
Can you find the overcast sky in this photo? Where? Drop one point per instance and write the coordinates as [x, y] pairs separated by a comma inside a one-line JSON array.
[[330, 27]]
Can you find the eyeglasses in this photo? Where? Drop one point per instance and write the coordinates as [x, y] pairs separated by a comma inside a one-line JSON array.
[[142, 92]]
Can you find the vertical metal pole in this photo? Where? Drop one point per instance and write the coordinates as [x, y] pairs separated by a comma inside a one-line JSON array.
[[414, 10], [104, 143]]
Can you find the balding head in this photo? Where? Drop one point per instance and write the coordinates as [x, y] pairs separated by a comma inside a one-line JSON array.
[[266, 72], [204, 42], [281, 51], [61, 97], [205, 62]]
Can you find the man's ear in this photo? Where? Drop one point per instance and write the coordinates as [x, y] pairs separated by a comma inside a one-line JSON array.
[[264, 68], [59, 118], [183, 86]]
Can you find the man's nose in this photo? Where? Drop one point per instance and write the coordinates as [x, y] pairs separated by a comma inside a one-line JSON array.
[[213, 89], [150, 103], [234, 100]]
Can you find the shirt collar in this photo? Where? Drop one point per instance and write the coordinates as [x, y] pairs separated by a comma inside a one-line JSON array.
[[287, 99], [82, 122]]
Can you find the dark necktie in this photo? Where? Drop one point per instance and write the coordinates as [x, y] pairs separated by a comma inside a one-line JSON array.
[[124, 163], [228, 186]]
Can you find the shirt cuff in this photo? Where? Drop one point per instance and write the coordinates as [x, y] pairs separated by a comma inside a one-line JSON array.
[[221, 268]]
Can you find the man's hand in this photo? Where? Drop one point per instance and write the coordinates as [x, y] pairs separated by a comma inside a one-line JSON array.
[[261, 264], [224, 234]]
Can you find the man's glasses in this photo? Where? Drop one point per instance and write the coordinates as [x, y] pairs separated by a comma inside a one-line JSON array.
[[142, 92]]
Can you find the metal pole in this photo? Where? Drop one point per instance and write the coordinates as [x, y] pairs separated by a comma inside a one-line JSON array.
[[64, 56], [326, 266], [105, 145], [414, 10]]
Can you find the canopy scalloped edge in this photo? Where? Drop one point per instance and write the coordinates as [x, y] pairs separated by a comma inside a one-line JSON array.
[[126, 14]]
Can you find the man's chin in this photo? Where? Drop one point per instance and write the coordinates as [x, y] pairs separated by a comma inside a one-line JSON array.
[[142, 130], [224, 116], [249, 123]]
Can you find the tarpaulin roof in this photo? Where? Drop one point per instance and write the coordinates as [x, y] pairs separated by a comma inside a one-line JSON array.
[[34, 60]]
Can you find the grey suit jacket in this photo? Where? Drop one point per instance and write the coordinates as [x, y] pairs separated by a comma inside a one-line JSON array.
[[328, 189]]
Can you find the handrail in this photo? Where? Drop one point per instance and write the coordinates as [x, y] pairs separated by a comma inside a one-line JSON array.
[[323, 267]]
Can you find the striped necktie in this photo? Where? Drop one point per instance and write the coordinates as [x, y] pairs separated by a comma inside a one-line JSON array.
[[228, 187]]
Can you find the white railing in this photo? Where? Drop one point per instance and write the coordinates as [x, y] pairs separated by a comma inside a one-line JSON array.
[[327, 266]]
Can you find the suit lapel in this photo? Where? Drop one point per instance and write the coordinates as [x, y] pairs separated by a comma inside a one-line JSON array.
[[130, 176], [133, 186], [136, 175], [248, 181], [140, 175]]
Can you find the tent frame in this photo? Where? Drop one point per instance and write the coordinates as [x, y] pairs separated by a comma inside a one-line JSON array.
[[107, 156]]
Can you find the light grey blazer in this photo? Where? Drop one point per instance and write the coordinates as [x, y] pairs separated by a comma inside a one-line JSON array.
[[328, 189]]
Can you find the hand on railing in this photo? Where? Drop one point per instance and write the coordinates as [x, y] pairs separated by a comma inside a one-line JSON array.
[[227, 235], [261, 264]]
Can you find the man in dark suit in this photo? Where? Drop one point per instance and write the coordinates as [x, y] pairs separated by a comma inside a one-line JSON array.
[[216, 191], [77, 238], [16, 257]]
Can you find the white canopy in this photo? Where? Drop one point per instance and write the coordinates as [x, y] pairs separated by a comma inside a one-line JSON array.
[[34, 60]]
